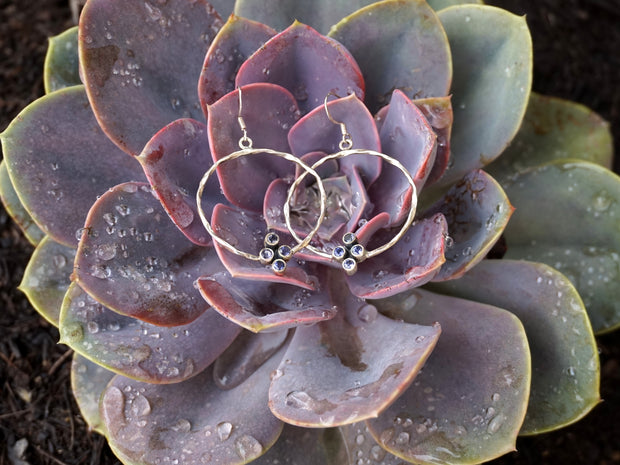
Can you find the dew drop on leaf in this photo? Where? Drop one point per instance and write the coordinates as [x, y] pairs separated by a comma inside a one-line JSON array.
[[247, 447], [223, 430]]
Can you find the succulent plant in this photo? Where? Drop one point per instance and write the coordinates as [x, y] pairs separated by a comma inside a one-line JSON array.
[[474, 327]]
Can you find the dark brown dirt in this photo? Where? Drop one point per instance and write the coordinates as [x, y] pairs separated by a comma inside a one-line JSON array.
[[576, 57]]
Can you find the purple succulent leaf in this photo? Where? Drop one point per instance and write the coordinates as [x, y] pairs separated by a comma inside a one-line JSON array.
[[47, 278], [363, 446], [411, 262], [15, 208], [140, 350], [141, 62], [565, 367], [577, 233], [269, 111], [245, 355], [194, 422], [365, 361], [398, 45], [134, 260], [315, 132], [306, 446], [552, 129], [260, 307], [469, 401], [407, 137], [88, 380], [319, 14], [477, 211], [492, 59], [441, 4], [306, 63], [174, 161], [59, 161], [61, 67], [246, 231], [235, 42]]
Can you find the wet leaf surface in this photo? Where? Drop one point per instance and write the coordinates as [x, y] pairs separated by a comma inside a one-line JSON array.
[[61, 62]]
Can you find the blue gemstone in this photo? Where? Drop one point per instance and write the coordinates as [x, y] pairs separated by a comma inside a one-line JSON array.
[[272, 239], [284, 252], [349, 238], [339, 253], [357, 251], [278, 266], [349, 265], [266, 255]]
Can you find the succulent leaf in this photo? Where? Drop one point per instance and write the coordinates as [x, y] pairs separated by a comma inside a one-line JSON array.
[[234, 43], [363, 446], [468, 403], [47, 278], [577, 233], [141, 61], [279, 14], [15, 208], [492, 59], [61, 67], [565, 367], [246, 231], [305, 63], [304, 446], [193, 422], [269, 111], [407, 137], [393, 42], [441, 4], [223, 7], [121, 261], [365, 359], [174, 161], [316, 133], [140, 350], [553, 129], [88, 380], [259, 307], [412, 262], [72, 162]]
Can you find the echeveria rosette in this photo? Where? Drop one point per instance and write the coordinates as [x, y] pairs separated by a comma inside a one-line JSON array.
[[187, 353]]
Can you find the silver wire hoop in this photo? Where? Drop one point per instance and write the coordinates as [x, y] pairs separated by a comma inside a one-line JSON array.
[[245, 143], [363, 253]]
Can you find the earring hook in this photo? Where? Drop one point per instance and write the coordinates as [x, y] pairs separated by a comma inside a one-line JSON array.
[[346, 142], [245, 142]]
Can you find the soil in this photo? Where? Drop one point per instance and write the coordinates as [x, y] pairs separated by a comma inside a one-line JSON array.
[[576, 57]]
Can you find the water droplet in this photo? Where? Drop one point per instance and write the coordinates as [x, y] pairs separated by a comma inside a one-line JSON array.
[[602, 201], [60, 261], [101, 272], [140, 406], [495, 424], [223, 430], [298, 399], [367, 313], [93, 327], [359, 439], [124, 210], [106, 251], [182, 426], [248, 447], [402, 438], [378, 453]]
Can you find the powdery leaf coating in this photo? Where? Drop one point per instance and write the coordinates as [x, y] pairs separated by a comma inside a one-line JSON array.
[[137, 77], [412, 262], [47, 278], [398, 45], [153, 354], [279, 14], [553, 129], [61, 67], [268, 111], [316, 133], [88, 380], [473, 390], [259, 306], [365, 361], [59, 174], [191, 422], [174, 161], [16, 210], [122, 263], [235, 42], [477, 211], [492, 59], [565, 367], [583, 194], [307, 64]]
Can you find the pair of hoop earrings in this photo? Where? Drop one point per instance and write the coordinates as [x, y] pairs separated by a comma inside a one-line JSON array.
[[277, 255]]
